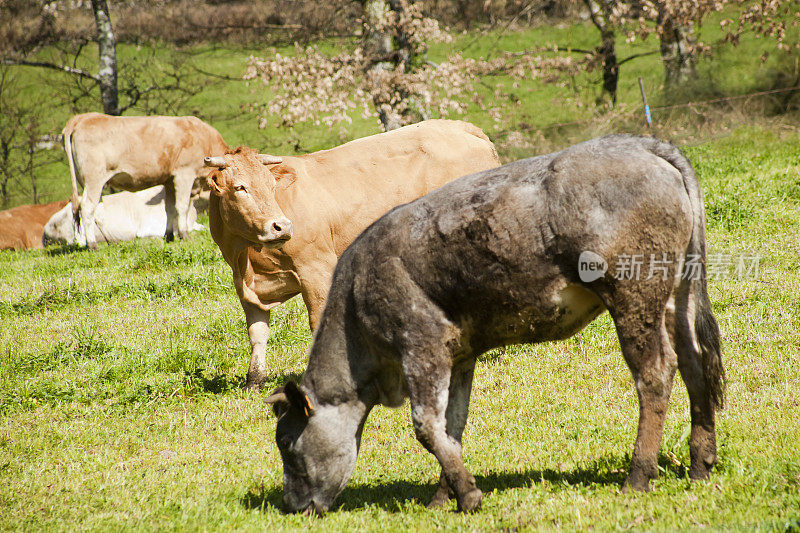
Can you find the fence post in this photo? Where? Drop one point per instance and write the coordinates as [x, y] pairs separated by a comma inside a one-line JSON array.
[[646, 107]]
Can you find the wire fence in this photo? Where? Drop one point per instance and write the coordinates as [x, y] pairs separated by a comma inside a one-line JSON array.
[[633, 112]]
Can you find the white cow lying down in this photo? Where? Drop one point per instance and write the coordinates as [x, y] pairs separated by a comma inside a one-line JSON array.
[[122, 216]]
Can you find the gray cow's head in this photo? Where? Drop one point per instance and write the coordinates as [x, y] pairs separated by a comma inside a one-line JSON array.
[[245, 182], [318, 446]]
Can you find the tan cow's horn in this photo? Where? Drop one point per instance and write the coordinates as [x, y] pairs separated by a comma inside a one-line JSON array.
[[269, 159], [218, 162]]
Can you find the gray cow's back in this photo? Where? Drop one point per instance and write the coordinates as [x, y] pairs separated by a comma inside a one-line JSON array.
[[497, 250]]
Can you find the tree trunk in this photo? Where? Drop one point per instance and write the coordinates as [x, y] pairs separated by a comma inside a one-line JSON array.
[[677, 50], [388, 48], [377, 37], [599, 11], [608, 54], [107, 46]]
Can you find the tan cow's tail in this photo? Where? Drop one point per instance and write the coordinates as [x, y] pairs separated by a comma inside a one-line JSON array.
[[67, 134]]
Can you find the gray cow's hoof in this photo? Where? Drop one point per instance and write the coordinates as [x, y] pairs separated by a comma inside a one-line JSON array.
[[636, 482], [440, 497], [701, 468], [471, 501]]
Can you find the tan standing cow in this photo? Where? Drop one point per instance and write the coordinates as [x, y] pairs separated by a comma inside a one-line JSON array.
[[135, 153], [21, 227], [282, 222]]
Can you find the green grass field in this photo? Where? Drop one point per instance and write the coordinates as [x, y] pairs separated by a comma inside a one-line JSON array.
[[120, 370], [121, 410]]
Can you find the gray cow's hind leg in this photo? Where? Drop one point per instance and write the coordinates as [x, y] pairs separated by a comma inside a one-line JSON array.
[[647, 350], [702, 442], [456, 417], [640, 313]]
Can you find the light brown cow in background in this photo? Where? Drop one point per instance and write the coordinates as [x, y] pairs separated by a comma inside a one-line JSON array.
[[282, 222], [21, 227], [135, 153]]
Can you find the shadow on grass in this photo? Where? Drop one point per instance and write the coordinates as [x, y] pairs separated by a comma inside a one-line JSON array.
[[63, 249], [281, 379], [261, 497], [394, 496], [214, 384], [197, 382]]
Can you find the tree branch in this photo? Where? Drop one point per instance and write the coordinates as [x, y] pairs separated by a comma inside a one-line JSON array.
[[550, 49], [212, 75], [634, 56], [53, 66]]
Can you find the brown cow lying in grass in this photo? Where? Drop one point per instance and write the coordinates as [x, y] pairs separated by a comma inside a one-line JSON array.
[[21, 227], [282, 222]]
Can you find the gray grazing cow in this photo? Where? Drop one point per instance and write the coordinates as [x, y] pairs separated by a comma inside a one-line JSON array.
[[492, 259]]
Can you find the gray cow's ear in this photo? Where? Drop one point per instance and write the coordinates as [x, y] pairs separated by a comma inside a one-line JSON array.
[[298, 399], [278, 400]]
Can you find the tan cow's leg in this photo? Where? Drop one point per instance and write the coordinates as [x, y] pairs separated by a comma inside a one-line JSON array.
[[89, 201], [258, 331], [170, 208], [183, 182]]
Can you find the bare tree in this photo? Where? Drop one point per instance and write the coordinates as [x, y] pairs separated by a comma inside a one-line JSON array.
[[23, 134], [107, 47], [23, 51], [601, 14], [678, 51]]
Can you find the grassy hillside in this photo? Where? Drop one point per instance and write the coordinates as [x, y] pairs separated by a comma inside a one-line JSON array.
[[120, 407], [531, 111]]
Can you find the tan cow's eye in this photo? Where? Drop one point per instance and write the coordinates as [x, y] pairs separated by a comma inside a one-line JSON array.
[[240, 188]]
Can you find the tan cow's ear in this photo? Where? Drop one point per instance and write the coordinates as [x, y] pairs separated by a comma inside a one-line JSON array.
[[284, 175], [215, 182]]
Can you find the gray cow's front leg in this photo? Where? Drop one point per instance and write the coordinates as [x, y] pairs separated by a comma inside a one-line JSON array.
[[258, 331], [429, 379], [456, 418]]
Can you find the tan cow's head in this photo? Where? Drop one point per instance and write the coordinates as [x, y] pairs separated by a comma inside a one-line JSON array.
[[245, 182]]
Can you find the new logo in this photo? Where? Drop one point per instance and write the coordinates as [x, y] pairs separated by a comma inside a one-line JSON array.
[[591, 266]]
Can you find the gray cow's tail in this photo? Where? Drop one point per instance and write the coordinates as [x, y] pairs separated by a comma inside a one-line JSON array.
[[705, 326]]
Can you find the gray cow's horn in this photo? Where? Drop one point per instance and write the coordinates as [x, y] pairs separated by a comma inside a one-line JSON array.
[[277, 397], [218, 162], [269, 159]]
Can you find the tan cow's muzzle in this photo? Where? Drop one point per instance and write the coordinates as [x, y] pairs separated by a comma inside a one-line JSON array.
[[276, 232]]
